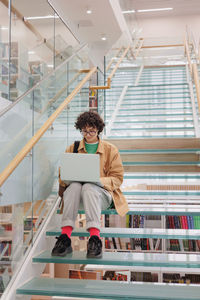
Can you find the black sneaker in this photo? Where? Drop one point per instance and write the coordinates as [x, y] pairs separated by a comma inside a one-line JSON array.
[[62, 246], [94, 247]]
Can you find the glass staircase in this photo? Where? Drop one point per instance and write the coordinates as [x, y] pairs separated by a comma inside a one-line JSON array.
[[158, 106], [152, 124]]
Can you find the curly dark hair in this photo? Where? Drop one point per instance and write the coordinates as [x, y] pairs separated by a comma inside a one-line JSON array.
[[91, 119]]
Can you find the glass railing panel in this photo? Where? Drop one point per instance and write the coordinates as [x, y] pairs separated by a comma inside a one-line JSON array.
[[31, 189], [64, 42], [5, 78], [44, 43], [16, 130], [100, 94], [31, 36], [21, 122]]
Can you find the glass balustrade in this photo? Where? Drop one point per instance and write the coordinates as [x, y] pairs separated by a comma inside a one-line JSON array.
[[6, 57], [38, 43], [28, 194]]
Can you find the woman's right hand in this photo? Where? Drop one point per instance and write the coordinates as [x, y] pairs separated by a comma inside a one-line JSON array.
[[61, 190]]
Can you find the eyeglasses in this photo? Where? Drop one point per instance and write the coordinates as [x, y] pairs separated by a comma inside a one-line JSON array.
[[91, 132]]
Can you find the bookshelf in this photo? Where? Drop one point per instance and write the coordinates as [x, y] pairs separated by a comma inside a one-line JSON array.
[[183, 222], [6, 227], [155, 245], [14, 69]]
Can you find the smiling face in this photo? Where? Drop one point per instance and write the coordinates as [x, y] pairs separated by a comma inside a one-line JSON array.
[[90, 134]]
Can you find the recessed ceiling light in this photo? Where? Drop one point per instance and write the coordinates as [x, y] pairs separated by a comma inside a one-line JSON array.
[[128, 11], [89, 11], [40, 17], [154, 9], [31, 52], [104, 38], [4, 28]]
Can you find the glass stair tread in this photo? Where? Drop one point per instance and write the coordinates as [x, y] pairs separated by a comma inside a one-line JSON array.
[[172, 121], [160, 176], [153, 101], [149, 87], [124, 259], [151, 211], [161, 163], [154, 108], [162, 193], [135, 233], [194, 150], [150, 136], [154, 115], [108, 289], [155, 129], [160, 84]]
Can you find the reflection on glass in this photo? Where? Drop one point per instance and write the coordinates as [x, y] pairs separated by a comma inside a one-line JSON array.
[[4, 57]]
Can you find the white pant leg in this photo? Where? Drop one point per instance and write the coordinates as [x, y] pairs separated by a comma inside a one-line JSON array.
[[71, 198], [94, 200]]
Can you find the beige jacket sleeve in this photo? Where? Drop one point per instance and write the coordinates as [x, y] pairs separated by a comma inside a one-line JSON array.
[[114, 175]]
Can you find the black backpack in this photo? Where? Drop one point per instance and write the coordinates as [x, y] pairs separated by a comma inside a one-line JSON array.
[[76, 145]]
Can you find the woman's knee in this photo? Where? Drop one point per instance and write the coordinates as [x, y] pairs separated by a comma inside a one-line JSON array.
[[73, 187], [88, 188]]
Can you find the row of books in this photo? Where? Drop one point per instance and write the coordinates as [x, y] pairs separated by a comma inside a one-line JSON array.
[[183, 222], [113, 243], [30, 224], [14, 50], [177, 278], [8, 246], [144, 276], [7, 227], [6, 209], [184, 245], [136, 244], [113, 275], [135, 221]]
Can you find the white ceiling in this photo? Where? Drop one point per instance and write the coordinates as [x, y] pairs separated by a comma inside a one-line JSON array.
[[106, 19], [180, 7], [103, 20]]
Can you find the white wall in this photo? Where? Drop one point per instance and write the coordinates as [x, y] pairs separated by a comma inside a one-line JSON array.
[[172, 27]]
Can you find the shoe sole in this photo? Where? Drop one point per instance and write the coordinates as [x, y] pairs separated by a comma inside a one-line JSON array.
[[94, 256], [67, 251]]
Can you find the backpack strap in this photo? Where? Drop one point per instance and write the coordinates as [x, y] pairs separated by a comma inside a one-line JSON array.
[[76, 145]]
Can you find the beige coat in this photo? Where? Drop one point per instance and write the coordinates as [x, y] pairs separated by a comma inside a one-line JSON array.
[[111, 172]]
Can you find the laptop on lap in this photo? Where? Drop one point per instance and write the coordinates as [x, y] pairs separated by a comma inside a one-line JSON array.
[[80, 167]]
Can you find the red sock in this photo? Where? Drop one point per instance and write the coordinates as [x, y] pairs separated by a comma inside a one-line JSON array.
[[67, 230], [94, 231]]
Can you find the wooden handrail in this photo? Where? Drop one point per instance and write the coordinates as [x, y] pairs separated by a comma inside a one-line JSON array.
[[187, 51], [26, 149], [197, 84], [139, 48], [111, 61], [118, 63], [96, 87], [199, 51], [163, 46]]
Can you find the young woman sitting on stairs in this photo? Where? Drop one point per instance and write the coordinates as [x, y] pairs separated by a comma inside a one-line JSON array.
[[93, 197]]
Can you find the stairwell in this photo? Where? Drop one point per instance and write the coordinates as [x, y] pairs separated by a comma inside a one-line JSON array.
[[150, 119]]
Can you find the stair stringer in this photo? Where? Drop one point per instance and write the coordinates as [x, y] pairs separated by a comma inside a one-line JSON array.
[[27, 269]]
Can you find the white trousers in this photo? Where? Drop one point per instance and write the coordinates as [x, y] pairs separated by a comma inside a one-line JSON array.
[[91, 197]]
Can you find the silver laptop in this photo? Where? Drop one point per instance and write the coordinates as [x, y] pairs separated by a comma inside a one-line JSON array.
[[80, 167]]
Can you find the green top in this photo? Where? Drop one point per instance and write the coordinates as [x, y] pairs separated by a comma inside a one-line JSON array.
[[91, 148]]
